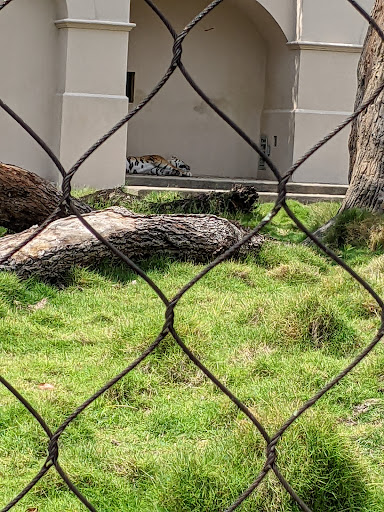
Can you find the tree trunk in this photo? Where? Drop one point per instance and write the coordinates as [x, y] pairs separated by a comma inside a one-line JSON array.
[[66, 242], [366, 143], [27, 199]]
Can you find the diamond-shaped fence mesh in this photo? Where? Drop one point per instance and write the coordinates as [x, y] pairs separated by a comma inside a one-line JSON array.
[[168, 329]]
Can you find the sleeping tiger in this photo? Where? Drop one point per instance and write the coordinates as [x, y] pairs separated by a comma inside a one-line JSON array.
[[155, 164]]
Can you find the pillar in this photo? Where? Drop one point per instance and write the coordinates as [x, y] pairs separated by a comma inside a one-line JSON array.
[[92, 83]]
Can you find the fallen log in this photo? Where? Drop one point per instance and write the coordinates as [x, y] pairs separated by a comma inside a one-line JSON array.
[[240, 199], [27, 199], [67, 242]]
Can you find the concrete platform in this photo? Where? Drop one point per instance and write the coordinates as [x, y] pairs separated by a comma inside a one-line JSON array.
[[209, 183], [265, 197], [304, 192]]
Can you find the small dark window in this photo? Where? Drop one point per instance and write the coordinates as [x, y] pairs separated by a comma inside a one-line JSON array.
[[266, 149], [130, 87]]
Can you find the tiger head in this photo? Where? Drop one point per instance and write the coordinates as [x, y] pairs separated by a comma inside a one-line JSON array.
[[179, 164]]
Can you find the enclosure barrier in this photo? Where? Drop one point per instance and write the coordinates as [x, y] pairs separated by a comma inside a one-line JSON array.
[[271, 440]]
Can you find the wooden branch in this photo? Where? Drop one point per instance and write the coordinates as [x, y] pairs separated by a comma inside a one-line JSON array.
[[66, 242]]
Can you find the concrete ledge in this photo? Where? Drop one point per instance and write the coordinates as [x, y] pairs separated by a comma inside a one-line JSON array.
[[325, 47], [143, 191], [265, 197], [95, 25], [199, 183]]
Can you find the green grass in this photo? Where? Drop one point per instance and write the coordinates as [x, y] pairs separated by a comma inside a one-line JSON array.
[[281, 227], [357, 228], [274, 328]]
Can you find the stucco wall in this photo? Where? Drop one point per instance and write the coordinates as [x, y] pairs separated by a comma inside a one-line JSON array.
[[284, 13], [67, 80], [112, 10], [326, 97], [332, 21], [326, 84], [276, 23], [92, 93], [29, 68], [93, 55]]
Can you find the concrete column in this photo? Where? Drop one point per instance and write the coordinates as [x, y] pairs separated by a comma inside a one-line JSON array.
[[92, 88], [326, 92], [328, 44]]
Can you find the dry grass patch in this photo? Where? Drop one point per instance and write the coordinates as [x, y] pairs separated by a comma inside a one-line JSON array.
[[295, 272]]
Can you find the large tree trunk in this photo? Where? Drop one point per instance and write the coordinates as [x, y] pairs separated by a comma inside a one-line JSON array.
[[27, 199], [366, 144], [66, 242]]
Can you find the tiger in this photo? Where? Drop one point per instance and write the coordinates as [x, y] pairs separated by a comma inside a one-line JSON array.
[[155, 164]]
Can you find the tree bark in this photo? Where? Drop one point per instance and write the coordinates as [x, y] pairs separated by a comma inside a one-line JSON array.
[[66, 242], [366, 143], [27, 199]]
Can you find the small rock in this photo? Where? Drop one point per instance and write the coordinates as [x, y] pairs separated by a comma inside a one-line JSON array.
[[39, 305], [365, 406], [44, 386]]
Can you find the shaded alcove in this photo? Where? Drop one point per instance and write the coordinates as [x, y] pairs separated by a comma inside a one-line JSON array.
[[238, 56]]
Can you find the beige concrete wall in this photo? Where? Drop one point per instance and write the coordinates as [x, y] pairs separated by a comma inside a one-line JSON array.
[[29, 68], [281, 96], [228, 56], [330, 36], [285, 69], [93, 56], [326, 97], [284, 13], [276, 22], [63, 69], [108, 10], [333, 21], [92, 92]]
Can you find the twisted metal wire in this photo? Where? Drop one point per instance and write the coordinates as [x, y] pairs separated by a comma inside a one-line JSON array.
[[4, 4], [272, 441]]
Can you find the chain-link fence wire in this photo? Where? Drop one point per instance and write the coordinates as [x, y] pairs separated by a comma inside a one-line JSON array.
[[271, 441]]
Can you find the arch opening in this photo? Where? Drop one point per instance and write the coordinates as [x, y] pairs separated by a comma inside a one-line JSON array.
[[238, 57]]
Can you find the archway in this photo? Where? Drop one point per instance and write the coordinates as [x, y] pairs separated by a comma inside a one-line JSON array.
[[238, 55]]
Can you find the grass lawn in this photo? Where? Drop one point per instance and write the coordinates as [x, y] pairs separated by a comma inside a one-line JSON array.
[[274, 328]]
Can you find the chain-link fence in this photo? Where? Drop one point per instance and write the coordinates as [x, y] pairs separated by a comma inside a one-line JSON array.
[[271, 440]]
